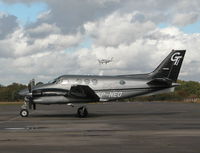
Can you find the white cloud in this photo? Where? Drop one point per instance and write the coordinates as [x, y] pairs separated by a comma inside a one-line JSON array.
[[117, 29], [145, 53], [184, 19], [139, 56], [20, 44], [104, 1], [44, 28], [44, 15], [126, 30]]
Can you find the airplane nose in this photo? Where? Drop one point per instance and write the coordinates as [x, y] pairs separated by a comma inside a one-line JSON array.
[[23, 92]]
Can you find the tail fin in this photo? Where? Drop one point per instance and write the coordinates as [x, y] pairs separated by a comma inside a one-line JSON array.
[[170, 66]]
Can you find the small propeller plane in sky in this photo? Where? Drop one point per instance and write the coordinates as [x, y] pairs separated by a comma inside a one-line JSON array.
[[81, 89], [105, 61]]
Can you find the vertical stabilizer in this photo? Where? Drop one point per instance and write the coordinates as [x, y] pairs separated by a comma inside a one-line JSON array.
[[170, 66]]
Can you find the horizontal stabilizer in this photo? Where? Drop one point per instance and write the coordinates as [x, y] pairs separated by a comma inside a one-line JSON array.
[[160, 82]]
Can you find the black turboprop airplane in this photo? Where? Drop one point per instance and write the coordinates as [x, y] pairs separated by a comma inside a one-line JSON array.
[[71, 89]]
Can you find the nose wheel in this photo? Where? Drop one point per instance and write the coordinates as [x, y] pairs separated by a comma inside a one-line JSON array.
[[82, 112], [24, 113]]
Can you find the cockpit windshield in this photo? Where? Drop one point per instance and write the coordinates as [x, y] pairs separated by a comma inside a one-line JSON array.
[[52, 81], [57, 80]]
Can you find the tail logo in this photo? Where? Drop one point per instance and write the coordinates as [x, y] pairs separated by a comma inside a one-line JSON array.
[[176, 58]]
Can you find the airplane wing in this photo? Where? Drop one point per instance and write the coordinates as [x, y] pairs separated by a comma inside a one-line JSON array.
[[84, 92]]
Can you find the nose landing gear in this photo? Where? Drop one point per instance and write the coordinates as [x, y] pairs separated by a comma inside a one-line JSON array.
[[24, 113], [28, 105], [24, 110]]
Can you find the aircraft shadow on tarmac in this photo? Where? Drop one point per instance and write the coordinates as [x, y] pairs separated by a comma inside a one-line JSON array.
[[96, 115]]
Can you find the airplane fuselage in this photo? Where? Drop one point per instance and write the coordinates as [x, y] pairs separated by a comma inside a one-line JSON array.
[[108, 88]]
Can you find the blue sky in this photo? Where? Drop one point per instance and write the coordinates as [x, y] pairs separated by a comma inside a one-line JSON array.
[[192, 28], [26, 13], [189, 29]]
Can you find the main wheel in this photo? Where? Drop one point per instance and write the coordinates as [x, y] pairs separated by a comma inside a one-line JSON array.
[[82, 112], [24, 113]]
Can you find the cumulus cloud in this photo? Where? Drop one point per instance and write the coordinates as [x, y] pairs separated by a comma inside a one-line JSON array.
[[126, 30], [140, 56], [118, 29], [70, 15], [43, 30], [185, 19], [8, 24], [19, 43]]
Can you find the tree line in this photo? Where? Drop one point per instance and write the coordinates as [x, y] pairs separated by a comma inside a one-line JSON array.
[[186, 90], [10, 92]]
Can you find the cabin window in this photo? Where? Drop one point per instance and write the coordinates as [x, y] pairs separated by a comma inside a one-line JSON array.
[[78, 81], [59, 81], [87, 81], [94, 81], [122, 82]]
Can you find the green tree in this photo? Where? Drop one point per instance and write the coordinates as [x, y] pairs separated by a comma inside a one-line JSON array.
[[10, 92]]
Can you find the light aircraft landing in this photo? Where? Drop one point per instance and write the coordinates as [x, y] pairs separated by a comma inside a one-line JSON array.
[[105, 61], [80, 89]]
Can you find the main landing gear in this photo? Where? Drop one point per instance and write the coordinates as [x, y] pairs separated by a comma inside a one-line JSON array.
[[82, 111]]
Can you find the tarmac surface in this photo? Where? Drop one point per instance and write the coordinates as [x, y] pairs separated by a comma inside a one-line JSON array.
[[137, 127]]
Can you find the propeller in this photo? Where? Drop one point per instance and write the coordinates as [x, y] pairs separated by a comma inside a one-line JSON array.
[[31, 84]]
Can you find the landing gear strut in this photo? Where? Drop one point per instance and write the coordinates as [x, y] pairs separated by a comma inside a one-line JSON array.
[[82, 112], [24, 111], [28, 104]]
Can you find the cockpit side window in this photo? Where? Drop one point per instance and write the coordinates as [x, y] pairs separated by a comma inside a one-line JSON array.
[[52, 81], [79, 81], [94, 81], [59, 81]]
